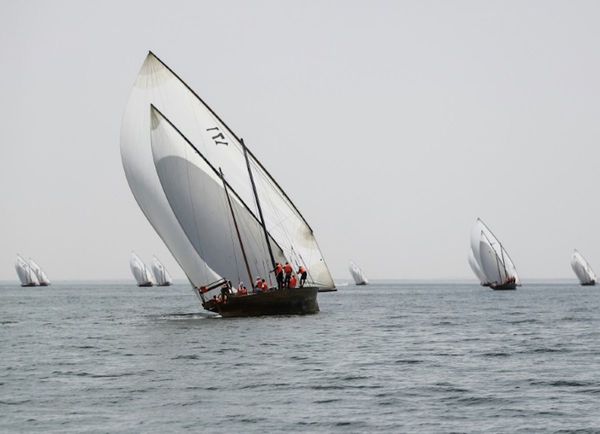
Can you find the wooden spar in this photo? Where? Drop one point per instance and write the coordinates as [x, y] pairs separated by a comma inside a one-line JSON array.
[[237, 229], [260, 213]]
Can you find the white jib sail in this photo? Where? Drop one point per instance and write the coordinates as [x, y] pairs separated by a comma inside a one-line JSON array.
[[357, 274], [140, 271], [197, 197], [161, 275], [494, 253], [39, 273], [476, 270], [582, 269], [158, 85], [26, 274]]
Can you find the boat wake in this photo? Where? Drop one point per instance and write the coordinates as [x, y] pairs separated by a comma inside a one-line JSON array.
[[182, 316]]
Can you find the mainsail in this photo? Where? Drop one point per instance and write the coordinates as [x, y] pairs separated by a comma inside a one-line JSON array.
[[476, 270], [140, 271], [195, 192], [161, 275], [491, 258], [582, 269], [357, 274], [26, 274], [199, 127], [39, 273]]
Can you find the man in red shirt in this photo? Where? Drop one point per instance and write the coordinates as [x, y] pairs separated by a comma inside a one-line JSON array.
[[287, 269]]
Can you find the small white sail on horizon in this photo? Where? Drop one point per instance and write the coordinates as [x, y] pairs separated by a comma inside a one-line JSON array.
[[490, 261], [141, 272], [582, 269], [26, 274], [161, 275], [357, 274], [39, 273]]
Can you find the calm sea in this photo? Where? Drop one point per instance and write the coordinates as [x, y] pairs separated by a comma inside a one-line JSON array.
[[384, 358]]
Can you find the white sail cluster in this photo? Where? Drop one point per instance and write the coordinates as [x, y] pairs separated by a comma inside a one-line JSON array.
[[141, 272], [357, 274], [489, 260], [161, 275], [582, 269], [173, 147], [30, 273]]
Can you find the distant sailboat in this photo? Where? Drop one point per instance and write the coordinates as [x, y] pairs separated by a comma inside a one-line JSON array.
[[161, 275], [176, 153], [41, 276], [26, 274], [492, 264], [582, 270], [358, 275], [141, 272]]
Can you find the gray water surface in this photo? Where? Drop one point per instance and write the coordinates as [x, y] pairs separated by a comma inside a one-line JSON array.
[[381, 358]]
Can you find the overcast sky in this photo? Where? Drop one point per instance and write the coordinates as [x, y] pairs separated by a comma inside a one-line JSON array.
[[392, 125]]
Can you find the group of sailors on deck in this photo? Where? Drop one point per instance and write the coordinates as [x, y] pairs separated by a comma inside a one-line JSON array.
[[284, 275]]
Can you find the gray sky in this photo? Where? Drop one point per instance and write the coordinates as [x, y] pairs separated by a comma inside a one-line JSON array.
[[392, 125]]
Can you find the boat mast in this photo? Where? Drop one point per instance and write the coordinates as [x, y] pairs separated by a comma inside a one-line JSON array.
[[233, 134], [260, 213], [237, 229]]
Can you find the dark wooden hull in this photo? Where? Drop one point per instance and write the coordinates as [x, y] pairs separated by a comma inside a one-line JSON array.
[[166, 284], [505, 287], [592, 283], [327, 289], [28, 285], [295, 301], [145, 285]]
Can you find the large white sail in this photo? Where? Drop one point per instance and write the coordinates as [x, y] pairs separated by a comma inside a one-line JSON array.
[[197, 196], [140, 271], [582, 269], [491, 257], [476, 270], [26, 274], [357, 274], [39, 273], [158, 85], [161, 275]]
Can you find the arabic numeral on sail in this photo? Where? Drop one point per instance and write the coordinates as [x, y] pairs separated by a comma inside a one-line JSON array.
[[219, 136]]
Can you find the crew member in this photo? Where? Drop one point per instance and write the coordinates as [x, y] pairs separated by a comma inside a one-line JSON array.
[[225, 291], [264, 286], [287, 269], [258, 284], [279, 275], [293, 281], [302, 273]]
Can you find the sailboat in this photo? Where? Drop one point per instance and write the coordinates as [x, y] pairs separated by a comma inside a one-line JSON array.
[[583, 270], [357, 274], [492, 264], [140, 271], [26, 275], [161, 275], [217, 208], [39, 273]]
